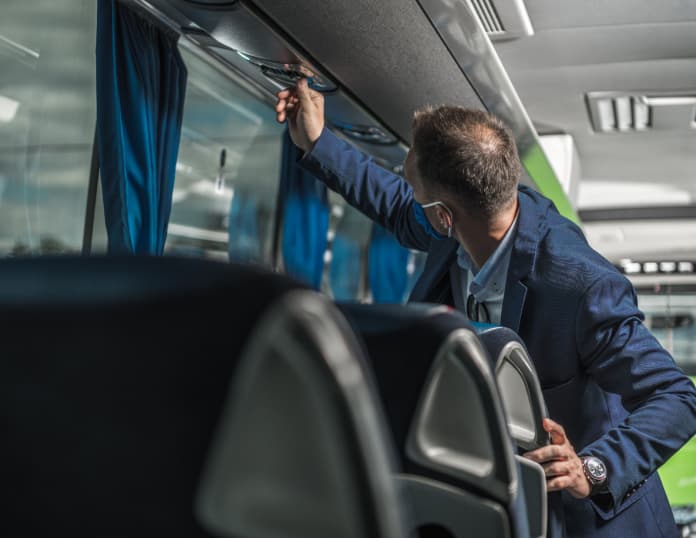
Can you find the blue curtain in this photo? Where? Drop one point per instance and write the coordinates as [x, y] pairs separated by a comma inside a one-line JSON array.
[[305, 218], [387, 267], [243, 245], [141, 84]]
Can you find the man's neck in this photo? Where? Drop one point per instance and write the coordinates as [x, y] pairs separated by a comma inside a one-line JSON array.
[[480, 239]]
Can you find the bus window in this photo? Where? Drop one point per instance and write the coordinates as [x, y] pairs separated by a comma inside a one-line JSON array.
[[47, 119], [348, 272], [345, 270], [670, 314], [227, 171]]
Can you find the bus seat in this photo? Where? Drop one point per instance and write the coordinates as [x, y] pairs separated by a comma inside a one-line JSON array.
[[533, 485], [525, 410], [113, 380], [313, 462], [519, 385], [445, 415]]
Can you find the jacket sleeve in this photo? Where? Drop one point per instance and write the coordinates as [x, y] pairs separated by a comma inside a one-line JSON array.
[[379, 194], [619, 352]]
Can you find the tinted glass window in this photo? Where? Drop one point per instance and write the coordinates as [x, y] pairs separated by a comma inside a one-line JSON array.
[[345, 274], [228, 168], [671, 317], [47, 119]]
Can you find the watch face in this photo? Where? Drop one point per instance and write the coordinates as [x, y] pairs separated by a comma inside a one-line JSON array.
[[596, 469]]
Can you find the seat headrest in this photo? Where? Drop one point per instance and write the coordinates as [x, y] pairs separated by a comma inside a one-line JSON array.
[[519, 386], [300, 449], [431, 372], [113, 375]]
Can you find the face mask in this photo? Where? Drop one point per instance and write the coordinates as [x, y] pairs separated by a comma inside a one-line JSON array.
[[419, 213]]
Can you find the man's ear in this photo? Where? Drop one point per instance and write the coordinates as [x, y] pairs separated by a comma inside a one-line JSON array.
[[444, 217]]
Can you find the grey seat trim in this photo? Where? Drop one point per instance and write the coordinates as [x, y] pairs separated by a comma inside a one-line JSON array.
[[525, 412], [459, 427], [460, 512], [303, 342], [533, 486]]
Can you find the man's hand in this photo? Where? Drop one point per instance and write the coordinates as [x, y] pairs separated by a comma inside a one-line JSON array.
[[304, 110], [561, 464]]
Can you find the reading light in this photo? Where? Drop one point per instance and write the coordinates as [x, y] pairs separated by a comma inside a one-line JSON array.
[[365, 133]]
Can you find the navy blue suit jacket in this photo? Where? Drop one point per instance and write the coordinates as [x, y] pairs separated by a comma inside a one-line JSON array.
[[610, 384]]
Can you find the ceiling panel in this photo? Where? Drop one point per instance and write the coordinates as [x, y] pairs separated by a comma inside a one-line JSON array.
[[389, 54], [598, 45], [555, 96], [625, 46], [655, 241], [547, 14]]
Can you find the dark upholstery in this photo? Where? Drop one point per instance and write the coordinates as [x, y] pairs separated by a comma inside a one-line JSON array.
[[400, 346], [402, 343], [112, 377]]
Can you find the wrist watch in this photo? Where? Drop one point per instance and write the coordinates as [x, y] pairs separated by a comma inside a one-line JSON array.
[[596, 474]]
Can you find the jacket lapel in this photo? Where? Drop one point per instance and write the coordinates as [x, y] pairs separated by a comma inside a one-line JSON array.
[[531, 227], [513, 304], [441, 256]]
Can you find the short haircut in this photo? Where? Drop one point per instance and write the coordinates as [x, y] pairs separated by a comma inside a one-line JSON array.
[[469, 154]]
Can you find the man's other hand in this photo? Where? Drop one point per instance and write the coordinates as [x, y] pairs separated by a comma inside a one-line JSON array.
[[303, 108], [562, 466]]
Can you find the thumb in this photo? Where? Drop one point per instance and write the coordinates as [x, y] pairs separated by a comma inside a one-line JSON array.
[[303, 92], [556, 430]]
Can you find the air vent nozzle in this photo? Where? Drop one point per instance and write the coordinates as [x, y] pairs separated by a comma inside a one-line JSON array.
[[488, 17], [503, 19], [612, 112], [365, 133]]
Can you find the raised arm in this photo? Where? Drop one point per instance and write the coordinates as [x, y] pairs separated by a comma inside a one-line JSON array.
[[381, 195]]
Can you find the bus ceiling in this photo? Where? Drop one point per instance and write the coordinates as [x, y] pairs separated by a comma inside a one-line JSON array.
[[381, 74]]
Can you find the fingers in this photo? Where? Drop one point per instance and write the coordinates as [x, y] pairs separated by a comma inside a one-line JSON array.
[[559, 483], [558, 435], [557, 468], [548, 453], [285, 106], [307, 96]]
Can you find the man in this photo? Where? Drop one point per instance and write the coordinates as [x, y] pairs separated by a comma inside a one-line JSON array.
[[501, 252]]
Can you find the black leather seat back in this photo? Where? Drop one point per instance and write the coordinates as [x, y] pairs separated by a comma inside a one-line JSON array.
[[114, 376], [445, 415], [301, 451]]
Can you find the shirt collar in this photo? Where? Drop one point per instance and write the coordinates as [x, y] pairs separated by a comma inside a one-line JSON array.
[[494, 271]]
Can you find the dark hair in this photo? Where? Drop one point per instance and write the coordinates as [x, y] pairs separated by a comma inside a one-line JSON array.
[[469, 154]]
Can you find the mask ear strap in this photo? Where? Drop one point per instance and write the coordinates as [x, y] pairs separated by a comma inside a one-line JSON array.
[[451, 218], [444, 208]]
